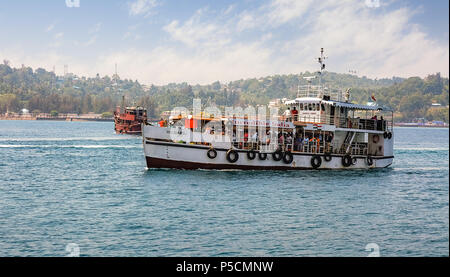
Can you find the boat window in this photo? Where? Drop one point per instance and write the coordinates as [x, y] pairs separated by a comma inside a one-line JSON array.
[[310, 107], [323, 107], [301, 107], [317, 107]]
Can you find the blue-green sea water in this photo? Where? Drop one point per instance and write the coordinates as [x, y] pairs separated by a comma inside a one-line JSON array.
[[73, 182]]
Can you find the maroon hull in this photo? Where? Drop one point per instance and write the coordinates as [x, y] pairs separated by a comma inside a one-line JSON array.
[[162, 163], [128, 129], [157, 163], [129, 121]]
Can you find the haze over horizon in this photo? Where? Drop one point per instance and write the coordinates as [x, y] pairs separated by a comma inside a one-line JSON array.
[[161, 41]]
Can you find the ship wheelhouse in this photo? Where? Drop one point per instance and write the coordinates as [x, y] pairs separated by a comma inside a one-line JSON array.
[[335, 126]]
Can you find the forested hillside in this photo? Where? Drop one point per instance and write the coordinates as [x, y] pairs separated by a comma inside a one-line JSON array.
[[42, 91]]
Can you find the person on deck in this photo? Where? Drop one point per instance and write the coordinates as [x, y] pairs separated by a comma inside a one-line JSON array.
[[289, 141], [295, 114], [255, 137], [298, 143], [161, 123], [280, 138], [287, 114], [329, 140], [255, 140]]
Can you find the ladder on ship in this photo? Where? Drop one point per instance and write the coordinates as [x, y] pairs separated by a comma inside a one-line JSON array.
[[345, 148]]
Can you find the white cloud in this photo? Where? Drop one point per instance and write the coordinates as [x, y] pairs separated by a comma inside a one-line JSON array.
[[142, 7], [132, 33], [50, 28], [273, 14], [165, 65], [195, 32], [381, 42], [90, 42], [96, 28], [229, 9], [59, 35], [376, 44], [282, 11], [57, 40]]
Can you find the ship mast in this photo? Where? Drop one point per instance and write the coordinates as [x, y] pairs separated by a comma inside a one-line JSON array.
[[321, 61], [122, 106]]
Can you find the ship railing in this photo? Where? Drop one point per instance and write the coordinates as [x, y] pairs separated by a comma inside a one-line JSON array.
[[355, 148], [342, 122], [264, 147], [313, 147], [320, 92]]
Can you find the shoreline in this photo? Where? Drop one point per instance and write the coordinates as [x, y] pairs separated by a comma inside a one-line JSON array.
[[76, 119], [69, 119], [419, 126]]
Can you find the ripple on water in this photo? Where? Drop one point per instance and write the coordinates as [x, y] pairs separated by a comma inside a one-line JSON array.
[[62, 187]]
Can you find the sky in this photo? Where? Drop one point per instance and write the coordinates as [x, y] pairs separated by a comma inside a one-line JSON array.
[[199, 42]]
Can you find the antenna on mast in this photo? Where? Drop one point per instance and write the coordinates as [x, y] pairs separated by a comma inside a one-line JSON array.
[[321, 61]]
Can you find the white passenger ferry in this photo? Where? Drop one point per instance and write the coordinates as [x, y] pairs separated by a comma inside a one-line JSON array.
[[323, 131]]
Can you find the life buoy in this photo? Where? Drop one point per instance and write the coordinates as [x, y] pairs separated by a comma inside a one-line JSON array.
[[317, 142], [288, 158], [376, 138], [390, 135], [385, 135], [232, 156], [316, 162], [262, 156], [369, 161], [251, 155], [327, 157], [277, 155], [212, 154], [347, 161]]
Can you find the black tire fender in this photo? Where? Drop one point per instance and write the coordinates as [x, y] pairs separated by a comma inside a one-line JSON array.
[[369, 161], [232, 156], [251, 155], [327, 157], [288, 158], [262, 156], [316, 161], [212, 153], [347, 161], [277, 155]]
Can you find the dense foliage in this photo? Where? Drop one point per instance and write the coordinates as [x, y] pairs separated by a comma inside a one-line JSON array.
[[43, 91]]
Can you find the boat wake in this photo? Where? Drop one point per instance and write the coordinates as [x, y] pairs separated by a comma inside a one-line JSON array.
[[73, 146], [69, 139]]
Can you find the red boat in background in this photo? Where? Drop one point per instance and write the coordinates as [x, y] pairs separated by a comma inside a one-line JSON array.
[[128, 120]]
